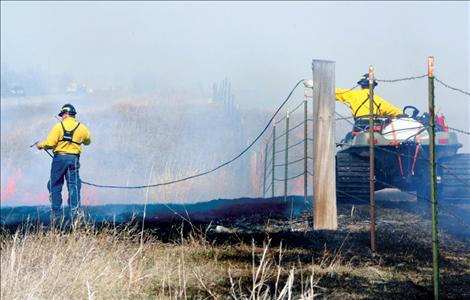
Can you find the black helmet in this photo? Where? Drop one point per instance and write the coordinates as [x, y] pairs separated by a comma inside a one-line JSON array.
[[68, 108], [364, 81]]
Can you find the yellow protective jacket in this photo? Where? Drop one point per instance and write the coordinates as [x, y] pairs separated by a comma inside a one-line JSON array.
[[358, 101], [54, 139]]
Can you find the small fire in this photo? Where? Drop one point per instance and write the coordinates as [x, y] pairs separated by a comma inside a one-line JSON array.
[[298, 186], [9, 190], [88, 196]]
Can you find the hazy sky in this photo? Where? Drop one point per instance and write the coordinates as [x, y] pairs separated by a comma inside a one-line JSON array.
[[264, 47]]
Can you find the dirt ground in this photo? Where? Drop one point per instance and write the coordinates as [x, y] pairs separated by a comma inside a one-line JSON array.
[[401, 268]]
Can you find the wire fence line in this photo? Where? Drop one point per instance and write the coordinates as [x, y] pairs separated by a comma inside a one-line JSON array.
[[290, 147], [226, 163], [296, 126], [348, 90], [270, 140], [402, 79], [458, 130], [290, 162], [270, 165], [285, 137], [297, 107], [289, 178], [290, 129], [280, 120], [343, 118], [451, 87]]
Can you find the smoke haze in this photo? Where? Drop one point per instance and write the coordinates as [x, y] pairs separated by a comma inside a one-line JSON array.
[[142, 76]]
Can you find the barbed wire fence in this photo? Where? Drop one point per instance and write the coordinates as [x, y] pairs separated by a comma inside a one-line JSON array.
[[294, 142], [271, 164], [271, 153]]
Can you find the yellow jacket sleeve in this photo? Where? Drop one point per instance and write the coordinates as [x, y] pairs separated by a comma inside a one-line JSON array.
[[344, 96], [52, 138], [358, 102], [385, 108], [86, 136]]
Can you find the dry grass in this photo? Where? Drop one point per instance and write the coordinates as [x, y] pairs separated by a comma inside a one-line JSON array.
[[113, 263], [124, 262]]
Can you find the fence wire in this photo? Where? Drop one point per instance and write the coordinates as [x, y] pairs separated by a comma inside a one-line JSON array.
[[451, 87], [290, 178], [290, 163], [270, 137], [458, 130], [402, 79], [301, 104]]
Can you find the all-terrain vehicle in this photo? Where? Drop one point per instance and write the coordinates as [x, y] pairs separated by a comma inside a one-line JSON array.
[[402, 159]]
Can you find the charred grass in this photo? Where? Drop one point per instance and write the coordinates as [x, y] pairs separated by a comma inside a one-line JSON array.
[[268, 259]]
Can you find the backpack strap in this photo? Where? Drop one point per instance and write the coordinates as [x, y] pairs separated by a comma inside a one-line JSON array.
[[364, 102], [355, 113], [68, 134]]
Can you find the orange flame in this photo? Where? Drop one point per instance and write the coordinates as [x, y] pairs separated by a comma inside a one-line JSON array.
[[88, 196], [9, 190], [298, 186]]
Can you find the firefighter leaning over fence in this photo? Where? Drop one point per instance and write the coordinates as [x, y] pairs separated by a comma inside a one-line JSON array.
[[358, 102], [65, 139]]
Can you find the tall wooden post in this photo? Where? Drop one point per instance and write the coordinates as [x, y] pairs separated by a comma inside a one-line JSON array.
[[371, 159], [433, 183], [324, 147]]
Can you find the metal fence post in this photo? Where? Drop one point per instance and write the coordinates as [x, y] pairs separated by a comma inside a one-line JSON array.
[[432, 169], [286, 157], [371, 159], [274, 158], [305, 146], [265, 168]]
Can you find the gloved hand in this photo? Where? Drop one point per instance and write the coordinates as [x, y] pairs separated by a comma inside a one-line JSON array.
[[37, 144]]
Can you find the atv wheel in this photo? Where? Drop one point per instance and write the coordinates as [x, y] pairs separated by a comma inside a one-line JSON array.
[[455, 178], [352, 178]]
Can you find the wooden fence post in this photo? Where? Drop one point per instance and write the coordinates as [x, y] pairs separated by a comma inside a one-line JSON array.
[[324, 147]]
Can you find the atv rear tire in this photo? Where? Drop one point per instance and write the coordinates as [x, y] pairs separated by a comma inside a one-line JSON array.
[[352, 178], [455, 178]]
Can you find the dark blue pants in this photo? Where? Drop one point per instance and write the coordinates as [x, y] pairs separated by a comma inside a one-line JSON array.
[[64, 167]]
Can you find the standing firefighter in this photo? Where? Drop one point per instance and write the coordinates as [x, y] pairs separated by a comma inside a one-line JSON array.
[[65, 140]]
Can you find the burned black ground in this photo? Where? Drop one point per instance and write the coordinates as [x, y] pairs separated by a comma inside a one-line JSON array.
[[400, 268]]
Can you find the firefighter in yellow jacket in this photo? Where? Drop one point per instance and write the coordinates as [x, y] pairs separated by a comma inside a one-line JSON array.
[[358, 102], [65, 140]]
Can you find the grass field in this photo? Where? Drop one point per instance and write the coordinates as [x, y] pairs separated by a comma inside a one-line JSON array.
[[255, 258]]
